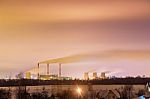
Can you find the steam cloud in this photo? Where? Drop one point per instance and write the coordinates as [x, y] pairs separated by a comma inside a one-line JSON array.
[[103, 55]]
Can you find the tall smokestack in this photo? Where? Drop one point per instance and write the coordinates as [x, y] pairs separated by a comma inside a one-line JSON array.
[[47, 69], [59, 69], [38, 70]]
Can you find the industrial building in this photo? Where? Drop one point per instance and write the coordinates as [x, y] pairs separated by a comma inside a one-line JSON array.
[[95, 75], [61, 61]]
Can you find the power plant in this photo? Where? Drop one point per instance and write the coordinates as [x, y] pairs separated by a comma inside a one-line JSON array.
[[90, 75], [48, 75]]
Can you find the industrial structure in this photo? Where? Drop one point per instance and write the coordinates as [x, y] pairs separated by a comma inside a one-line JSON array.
[[59, 61], [103, 75], [86, 76], [28, 75], [48, 75], [95, 75]]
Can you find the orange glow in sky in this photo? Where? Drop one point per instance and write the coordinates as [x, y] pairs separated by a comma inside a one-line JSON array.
[[107, 34]]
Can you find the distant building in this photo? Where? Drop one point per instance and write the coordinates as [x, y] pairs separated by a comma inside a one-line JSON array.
[[28, 75], [48, 77]]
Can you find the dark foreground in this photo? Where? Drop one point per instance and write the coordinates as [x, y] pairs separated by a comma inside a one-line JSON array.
[[115, 81]]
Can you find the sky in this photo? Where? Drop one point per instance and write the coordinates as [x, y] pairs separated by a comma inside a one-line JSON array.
[[106, 35]]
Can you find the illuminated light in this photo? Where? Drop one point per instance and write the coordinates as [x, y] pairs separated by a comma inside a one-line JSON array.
[[33, 77], [79, 91], [148, 89]]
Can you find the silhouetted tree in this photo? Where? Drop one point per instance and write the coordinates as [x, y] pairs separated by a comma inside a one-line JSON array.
[[126, 93], [5, 94], [42, 95], [22, 94], [141, 92], [67, 94]]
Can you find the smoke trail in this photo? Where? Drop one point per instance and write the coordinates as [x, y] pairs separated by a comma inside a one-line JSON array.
[[103, 55]]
